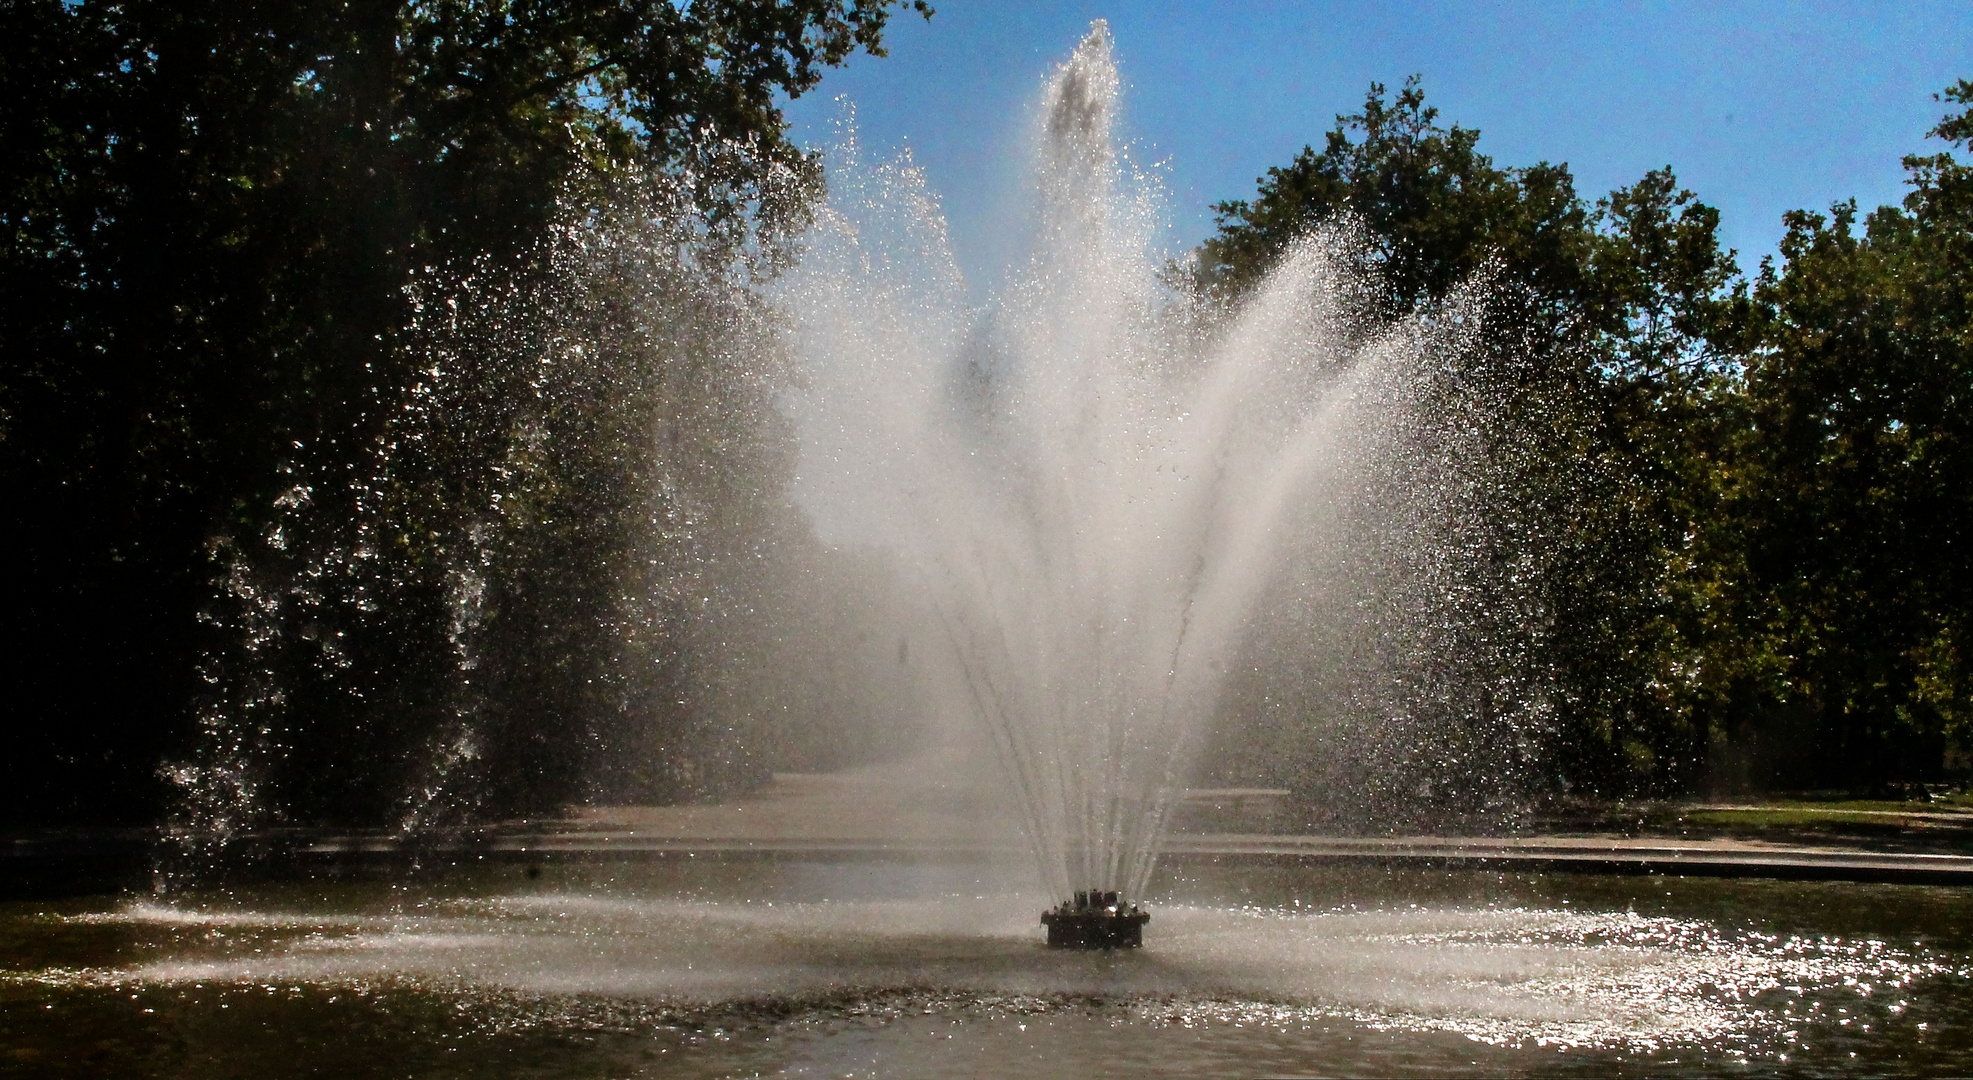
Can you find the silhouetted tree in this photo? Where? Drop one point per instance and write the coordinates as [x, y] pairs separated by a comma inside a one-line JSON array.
[[1751, 493], [209, 214], [1852, 487]]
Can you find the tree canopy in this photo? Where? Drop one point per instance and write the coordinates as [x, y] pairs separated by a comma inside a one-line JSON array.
[[253, 250], [1759, 486], [209, 217]]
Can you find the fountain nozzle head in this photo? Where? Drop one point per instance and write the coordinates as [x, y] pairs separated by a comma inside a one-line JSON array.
[[1095, 919]]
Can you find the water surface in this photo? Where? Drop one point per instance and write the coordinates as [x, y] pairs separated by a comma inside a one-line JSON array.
[[701, 967]]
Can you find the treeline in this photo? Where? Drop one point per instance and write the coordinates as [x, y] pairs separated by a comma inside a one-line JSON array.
[[386, 421], [1756, 491], [243, 534]]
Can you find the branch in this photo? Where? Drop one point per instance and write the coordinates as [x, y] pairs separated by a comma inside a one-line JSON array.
[[576, 76]]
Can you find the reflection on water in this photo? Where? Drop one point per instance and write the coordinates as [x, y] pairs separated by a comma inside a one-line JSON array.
[[1504, 974], [771, 969]]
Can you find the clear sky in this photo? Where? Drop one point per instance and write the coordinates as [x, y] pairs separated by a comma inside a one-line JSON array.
[[1759, 107]]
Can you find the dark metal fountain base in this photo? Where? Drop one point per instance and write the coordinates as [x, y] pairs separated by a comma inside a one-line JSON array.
[[1095, 920]]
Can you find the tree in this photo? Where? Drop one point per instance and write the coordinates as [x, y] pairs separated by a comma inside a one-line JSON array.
[[1635, 589], [1432, 211], [1604, 357], [211, 212], [1754, 495], [1853, 484]]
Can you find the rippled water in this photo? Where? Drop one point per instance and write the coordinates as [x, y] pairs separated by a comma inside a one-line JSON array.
[[861, 968]]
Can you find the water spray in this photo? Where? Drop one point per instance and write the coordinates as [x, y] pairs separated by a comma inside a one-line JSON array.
[[1093, 480]]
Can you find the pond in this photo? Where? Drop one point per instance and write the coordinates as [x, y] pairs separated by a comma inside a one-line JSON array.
[[751, 966]]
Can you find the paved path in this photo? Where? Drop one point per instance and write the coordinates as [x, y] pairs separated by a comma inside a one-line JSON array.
[[1947, 815], [936, 808], [1712, 858], [940, 806], [1605, 854]]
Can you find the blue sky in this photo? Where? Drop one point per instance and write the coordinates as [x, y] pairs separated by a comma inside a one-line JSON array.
[[1759, 107]]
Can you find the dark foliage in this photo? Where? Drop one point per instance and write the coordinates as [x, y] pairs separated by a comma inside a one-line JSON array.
[[1753, 495], [227, 232], [209, 214]]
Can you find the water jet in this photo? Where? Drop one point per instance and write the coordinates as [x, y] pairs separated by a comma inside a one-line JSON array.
[[1094, 479]]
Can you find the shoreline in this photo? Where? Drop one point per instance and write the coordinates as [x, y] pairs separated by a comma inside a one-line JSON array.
[[933, 807]]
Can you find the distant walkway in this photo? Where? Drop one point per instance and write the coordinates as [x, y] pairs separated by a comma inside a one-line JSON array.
[[940, 806], [1634, 855], [935, 807], [1593, 854]]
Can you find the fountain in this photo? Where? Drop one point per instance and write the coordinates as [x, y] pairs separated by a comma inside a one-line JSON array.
[[1093, 480], [1099, 504], [1095, 920]]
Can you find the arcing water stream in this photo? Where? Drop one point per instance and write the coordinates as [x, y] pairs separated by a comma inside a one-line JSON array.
[[1095, 479]]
